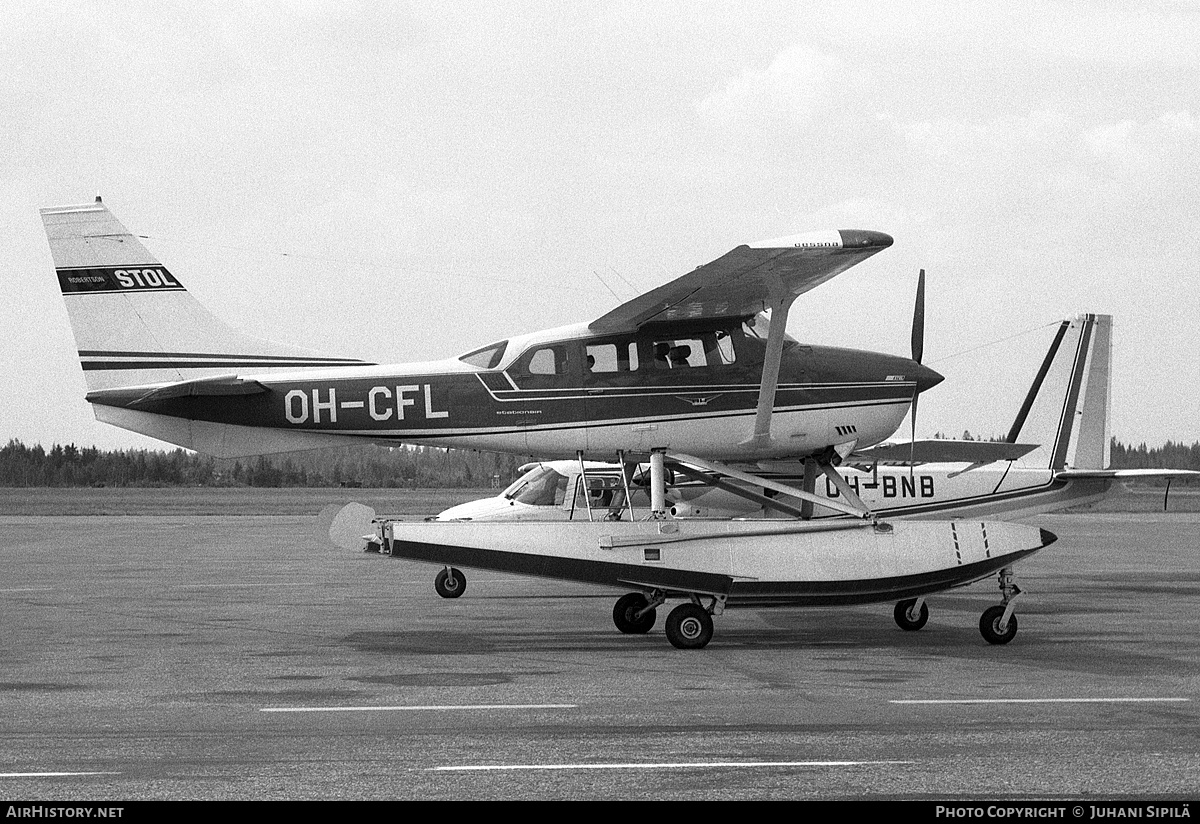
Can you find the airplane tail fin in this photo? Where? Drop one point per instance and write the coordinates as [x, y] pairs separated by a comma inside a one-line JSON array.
[[1067, 408], [134, 323]]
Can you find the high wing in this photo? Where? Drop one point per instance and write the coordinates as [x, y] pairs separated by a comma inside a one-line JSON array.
[[749, 279]]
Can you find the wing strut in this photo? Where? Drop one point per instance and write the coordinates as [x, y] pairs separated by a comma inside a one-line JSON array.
[[733, 489], [853, 505], [842, 487], [770, 371]]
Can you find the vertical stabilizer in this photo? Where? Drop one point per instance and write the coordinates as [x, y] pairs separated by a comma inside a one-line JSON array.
[[1067, 408], [134, 323], [1092, 444]]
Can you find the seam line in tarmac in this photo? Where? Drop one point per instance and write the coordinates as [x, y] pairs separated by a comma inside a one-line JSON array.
[[425, 707], [1037, 700], [665, 766], [52, 774]]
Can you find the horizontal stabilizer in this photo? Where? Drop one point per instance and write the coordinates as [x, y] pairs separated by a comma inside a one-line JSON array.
[[943, 451], [1130, 474], [220, 385], [135, 396]]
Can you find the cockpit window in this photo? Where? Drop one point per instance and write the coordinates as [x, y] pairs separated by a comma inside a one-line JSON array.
[[550, 360], [486, 358], [759, 326]]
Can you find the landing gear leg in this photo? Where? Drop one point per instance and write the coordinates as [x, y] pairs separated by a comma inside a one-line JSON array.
[[450, 583], [658, 486], [998, 624]]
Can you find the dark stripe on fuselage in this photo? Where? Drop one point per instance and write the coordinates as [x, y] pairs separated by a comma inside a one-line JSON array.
[[114, 353], [402, 434], [93, 366]]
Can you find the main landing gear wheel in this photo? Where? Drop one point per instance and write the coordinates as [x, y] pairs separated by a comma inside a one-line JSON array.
[[450, 583], [689, 626], [626, 617], [989, 625], [905, 618]]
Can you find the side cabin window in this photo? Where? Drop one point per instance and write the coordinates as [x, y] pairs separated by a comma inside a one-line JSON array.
[[611, 357], [702, 349], [613, 362]]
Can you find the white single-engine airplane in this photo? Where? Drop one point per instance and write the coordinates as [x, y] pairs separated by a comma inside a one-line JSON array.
[[692, 373], [1062, 463]]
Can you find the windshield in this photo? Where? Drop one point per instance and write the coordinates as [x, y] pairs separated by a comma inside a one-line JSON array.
[[486, 358], [540, 486]]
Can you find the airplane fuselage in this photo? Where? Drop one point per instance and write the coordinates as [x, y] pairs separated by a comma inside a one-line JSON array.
[[928, 491], [681, 387]]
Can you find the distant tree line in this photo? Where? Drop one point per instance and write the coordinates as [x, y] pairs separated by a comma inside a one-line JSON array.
[[368, 466], [1171, 455]]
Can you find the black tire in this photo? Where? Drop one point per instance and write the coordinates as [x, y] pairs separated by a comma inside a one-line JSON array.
[[989, 625], [623, 614], [450, 583], [689, 627], [906, 623]]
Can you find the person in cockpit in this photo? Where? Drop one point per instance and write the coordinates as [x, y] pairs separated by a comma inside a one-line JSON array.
[[660, 355], [679, 356]]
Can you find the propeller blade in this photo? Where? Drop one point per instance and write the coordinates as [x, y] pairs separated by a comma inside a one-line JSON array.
[[918, 351], [918, 327], [912, 446]]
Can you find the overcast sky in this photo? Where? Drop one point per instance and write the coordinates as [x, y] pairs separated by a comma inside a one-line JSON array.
[[406, 182]]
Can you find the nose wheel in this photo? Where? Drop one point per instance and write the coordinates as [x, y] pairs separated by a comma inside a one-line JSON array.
[[994, 628], [998, 624], [912, 614], [450, 583]]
